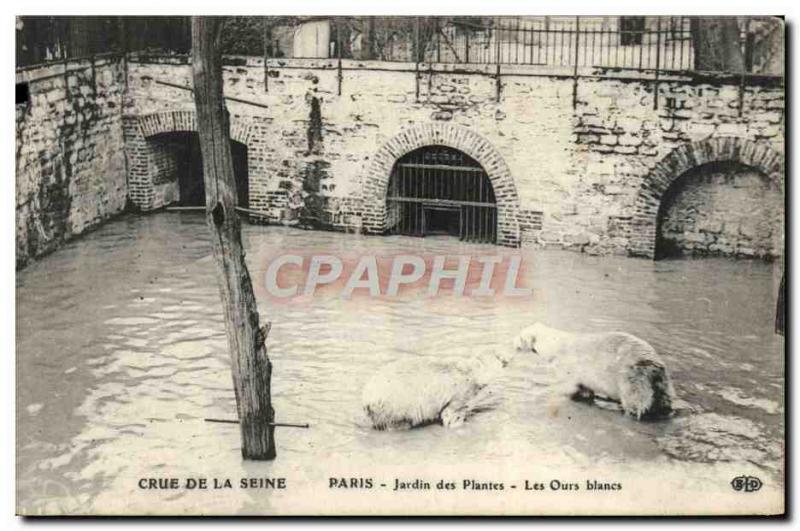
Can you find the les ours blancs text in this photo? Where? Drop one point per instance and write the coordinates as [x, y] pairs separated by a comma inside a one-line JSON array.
[[369, 483], [474, 484]]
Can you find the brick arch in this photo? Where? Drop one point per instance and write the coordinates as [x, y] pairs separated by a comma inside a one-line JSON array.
[[175, 121], [458, 137], [644, 221]]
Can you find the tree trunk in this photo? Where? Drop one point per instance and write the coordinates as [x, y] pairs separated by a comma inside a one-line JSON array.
[[249, 362], [368, 39], [717, 44]]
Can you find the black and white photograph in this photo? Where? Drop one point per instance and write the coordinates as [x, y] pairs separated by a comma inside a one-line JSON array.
[[400, 265]]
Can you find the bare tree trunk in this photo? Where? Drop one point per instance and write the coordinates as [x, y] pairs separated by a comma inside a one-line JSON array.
[[368, 39], [717, 44], [249, 362]]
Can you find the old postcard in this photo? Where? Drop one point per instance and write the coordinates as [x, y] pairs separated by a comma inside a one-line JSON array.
[[400, 265]]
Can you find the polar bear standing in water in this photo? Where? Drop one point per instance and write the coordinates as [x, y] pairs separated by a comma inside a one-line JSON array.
[[419, 391], [611, 365]]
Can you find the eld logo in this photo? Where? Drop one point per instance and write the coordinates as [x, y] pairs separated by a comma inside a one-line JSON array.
[[746, 483]]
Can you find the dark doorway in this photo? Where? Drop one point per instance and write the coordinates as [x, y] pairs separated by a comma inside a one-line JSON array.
[[178, 157], [443, 221], [191, 188], [441, 190]]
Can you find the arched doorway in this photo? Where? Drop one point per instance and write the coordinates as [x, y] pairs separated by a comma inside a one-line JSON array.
[[378, 219], [722, 208], [643, 224], [177, 157], [440, 190]]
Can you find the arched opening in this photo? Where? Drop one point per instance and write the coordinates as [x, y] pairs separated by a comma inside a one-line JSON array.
[[644, 221], [439, 190], [177, 158], [720, 208]]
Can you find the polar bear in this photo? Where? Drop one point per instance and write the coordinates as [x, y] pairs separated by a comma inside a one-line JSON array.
[[613, 366], [416, 392]]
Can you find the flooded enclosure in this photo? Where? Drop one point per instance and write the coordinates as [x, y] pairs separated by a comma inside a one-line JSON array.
[[121, 354], [177, 157], [438, 190], [483, 251]]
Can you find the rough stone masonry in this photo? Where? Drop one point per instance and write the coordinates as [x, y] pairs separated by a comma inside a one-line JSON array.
[[70, 164], [595, 166]]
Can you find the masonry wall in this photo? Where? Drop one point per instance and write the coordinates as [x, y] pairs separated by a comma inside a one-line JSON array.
[[578, 165], [723, 209], [166, 158], [620, 138], [70, 163]]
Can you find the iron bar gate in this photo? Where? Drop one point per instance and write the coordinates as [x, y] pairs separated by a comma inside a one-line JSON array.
[[440, 190]]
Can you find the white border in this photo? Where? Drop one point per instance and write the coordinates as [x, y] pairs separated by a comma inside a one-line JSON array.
[[304, 7]]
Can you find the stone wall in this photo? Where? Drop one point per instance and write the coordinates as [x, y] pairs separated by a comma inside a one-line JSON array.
[[630, 151], [582, 163], [723, 209], [70, 157], [167, 153], [578, 165]]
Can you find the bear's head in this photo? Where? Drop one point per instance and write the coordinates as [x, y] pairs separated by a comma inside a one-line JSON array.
[[526, 340], [483, 368]]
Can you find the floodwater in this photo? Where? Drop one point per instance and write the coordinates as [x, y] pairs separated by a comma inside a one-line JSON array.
[[121, 354]]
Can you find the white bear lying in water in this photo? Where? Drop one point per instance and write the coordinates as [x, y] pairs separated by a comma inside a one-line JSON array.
[[613, 365], [419, 391]]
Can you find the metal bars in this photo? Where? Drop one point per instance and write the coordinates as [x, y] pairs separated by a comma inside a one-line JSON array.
[[628, 42], [440, 190]]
